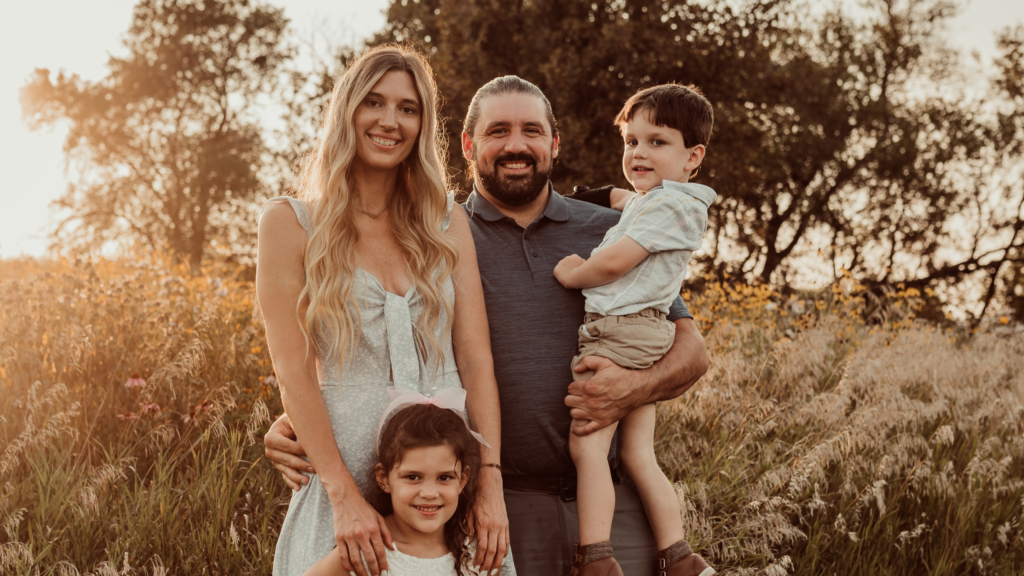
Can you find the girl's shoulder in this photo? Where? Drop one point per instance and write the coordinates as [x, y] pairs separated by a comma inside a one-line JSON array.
[[400, 563]]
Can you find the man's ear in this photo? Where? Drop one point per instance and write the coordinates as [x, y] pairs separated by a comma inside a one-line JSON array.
[[467, 147], [554, 148], [382, 478]]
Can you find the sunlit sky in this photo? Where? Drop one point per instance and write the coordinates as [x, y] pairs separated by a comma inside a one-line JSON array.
[[79, 35]]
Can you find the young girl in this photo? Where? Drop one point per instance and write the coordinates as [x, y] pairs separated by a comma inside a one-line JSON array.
[[426, 456]]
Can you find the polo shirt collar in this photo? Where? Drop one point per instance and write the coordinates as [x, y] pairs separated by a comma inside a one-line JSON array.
[[557, 208]]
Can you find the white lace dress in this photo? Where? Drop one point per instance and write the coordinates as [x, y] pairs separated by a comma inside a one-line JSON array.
[[400, 564], [356, 397]]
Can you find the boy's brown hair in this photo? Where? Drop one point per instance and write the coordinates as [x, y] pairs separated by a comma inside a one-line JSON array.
[[674, 106]]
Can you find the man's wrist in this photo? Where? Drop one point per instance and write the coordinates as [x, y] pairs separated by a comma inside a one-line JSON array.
[[645, 388]]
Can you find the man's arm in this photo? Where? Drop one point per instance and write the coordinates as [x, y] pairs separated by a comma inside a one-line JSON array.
[[285, 452], [607, 196], [615, 391]]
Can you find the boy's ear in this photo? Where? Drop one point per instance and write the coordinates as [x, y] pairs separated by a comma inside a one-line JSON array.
[[695, 159], [382, 478]]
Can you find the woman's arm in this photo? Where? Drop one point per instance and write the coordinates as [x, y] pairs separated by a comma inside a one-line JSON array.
[[472, 343], [279, 282]]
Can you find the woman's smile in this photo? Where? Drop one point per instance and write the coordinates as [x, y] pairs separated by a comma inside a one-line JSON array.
[[389, 118], [384, 141]]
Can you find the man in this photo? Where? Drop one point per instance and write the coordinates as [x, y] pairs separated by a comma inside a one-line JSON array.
[[522, 228]]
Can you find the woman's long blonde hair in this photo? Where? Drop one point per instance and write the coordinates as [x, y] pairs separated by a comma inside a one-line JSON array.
[[417, 209]]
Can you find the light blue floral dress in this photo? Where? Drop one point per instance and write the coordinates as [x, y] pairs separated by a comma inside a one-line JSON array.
[[356, 396]]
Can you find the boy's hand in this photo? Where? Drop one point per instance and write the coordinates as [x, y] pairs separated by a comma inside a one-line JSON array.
[[565, 268]]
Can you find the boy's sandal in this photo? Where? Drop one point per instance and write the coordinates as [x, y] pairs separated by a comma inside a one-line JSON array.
[[595, 560], [679, 560]]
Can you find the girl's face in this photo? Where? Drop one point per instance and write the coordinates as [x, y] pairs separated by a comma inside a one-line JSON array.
[[424, 488], [387, 122]]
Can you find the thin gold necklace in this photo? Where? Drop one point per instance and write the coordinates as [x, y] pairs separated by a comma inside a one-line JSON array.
[[372, 215]]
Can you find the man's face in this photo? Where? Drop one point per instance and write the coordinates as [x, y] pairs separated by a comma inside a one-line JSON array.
[[512, 148]]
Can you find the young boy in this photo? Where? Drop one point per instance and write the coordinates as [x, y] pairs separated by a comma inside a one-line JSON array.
[[629, 282]]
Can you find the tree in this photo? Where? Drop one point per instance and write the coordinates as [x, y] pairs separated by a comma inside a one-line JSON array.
[[167, 149], [831, 133], [1010, 142]]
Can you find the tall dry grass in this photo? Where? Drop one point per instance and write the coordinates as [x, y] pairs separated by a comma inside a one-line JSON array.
[[824, 442], [833, 434], [129, 398]]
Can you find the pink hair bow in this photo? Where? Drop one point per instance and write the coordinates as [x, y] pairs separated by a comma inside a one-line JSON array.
[[453, 399]]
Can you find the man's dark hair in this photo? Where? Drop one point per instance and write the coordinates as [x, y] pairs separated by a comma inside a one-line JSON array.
[[505, 85], [673, 106]]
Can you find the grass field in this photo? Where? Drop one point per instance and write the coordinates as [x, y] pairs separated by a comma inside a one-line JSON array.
[[832, 435]]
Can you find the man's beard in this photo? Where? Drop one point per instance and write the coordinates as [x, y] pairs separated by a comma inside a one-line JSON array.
[[518, 190]]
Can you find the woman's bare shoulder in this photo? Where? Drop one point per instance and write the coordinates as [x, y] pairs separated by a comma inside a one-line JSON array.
[[459, 226], [280, 235], [279, 222]]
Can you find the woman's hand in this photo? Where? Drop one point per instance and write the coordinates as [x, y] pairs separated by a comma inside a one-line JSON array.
[[360, 532], [489, 521], [285, 453]]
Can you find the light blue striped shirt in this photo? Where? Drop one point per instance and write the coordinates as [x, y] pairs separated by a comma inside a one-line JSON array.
[[669, 222]]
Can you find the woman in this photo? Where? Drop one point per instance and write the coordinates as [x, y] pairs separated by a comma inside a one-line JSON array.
[[370, 279]]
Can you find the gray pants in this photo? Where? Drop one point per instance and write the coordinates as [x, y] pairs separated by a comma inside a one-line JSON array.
[[544, 532]]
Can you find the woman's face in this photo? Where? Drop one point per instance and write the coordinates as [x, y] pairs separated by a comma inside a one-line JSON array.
[[387, 122], [424, 488]]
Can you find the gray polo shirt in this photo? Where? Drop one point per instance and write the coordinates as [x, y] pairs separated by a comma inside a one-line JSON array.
[[534, 322]]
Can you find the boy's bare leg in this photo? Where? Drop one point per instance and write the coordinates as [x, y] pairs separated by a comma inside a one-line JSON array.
[[595, 493], [656, 492]]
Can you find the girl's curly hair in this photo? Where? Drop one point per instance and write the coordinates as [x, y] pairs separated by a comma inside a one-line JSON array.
[[424, 426]]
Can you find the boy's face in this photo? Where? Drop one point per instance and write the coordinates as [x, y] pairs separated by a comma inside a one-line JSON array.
[[655, 153]]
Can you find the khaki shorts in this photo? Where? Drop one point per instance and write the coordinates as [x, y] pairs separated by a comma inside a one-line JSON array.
[[634, 341]]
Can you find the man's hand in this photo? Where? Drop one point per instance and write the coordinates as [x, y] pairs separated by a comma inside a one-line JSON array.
[[285, 453], [565, 268], [614, 391], [607, 397], [489, 521], [618, 198]]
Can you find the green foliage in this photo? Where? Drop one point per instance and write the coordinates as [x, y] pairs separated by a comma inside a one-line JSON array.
[[167, 149], [840, 142]]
